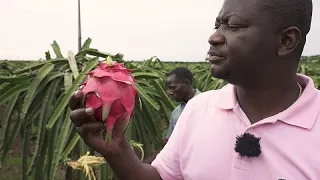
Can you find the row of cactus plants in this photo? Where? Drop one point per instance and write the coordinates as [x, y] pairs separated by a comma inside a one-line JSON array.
[[35, 97]]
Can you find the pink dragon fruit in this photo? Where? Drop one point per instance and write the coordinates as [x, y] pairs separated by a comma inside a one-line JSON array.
[[110, 90]]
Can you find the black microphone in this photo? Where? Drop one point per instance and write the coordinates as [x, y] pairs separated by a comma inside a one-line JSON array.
[[248, 145]]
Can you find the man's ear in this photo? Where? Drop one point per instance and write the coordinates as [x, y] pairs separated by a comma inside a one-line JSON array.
[[289, 41], [187, 82]]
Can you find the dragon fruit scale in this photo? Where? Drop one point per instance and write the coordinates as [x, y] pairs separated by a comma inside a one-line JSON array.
[[110, 90]]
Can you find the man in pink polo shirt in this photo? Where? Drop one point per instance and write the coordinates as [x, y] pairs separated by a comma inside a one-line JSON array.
[[264, 125]]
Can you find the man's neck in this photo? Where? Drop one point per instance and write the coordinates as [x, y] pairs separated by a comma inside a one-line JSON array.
[[190, 95], [260, 103]]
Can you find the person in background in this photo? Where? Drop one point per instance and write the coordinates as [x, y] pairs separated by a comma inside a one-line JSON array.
[[180, 88], [263, 125]]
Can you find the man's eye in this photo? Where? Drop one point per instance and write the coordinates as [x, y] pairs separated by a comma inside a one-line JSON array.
[[216, 26], [233, 27]]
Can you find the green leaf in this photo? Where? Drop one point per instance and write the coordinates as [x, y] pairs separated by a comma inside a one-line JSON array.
[[51, 76], [86, 44], [73, 64], [15, 79], [145, 75], [40, 171], [67, 81], [160, 73], [151, 91], [56, 49], [54, 132], [33, 87], [95, 52], [55, 152], [25, 106], [12, 92], [147, 97], [166, 111], [164, 96], [64, 68], [71, 145], [104, 171], [48, 56], [15, 130], [6, 118], [3, 85], [65, 128], [37, 65], [25, 140], [68, 94], [46, 103]]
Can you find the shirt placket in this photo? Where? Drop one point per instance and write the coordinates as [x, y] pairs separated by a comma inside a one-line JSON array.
[[244, 163]]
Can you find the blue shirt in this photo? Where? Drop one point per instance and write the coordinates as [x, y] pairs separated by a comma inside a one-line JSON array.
[[175, 115]]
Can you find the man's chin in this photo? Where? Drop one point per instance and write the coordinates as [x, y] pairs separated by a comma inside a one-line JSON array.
[[224, 76], [178, 100], [218, 74]]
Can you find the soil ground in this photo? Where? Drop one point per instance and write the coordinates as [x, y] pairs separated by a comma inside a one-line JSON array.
[[11, 170]]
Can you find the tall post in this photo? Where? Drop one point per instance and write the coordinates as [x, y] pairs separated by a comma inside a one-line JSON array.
[[79, 27]]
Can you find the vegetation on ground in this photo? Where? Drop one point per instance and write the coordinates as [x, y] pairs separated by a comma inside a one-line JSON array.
[[34, 112]]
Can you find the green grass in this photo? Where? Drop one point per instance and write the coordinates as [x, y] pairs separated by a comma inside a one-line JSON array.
[[12, 169]]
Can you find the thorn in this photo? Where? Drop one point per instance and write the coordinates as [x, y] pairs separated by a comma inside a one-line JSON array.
[[127, 126], [109, 61], [140, 103], [108, 137]]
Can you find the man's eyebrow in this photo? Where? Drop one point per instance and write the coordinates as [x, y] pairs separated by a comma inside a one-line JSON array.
[[225, 17]]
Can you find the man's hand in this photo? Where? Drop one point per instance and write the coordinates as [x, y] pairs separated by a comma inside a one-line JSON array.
[[92, 131], [120, 156]]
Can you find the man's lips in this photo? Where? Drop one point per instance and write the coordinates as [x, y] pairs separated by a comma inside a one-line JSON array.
[[214, 56], [213, 59]]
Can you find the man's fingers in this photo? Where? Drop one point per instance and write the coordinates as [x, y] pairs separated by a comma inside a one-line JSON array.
[[92, 127], [76, 100], [82, 115]]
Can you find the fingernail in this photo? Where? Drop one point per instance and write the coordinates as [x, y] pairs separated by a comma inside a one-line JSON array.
[[77, 93], [89, 110], [81, 87]]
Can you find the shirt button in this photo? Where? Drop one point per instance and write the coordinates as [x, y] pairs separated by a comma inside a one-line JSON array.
[[250, 130]]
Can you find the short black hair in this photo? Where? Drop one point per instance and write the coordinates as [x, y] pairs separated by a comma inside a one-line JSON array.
[[182, 73], [286, 13]]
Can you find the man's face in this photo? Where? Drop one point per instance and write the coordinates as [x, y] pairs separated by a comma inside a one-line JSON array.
[[176, 88], [244, 43]]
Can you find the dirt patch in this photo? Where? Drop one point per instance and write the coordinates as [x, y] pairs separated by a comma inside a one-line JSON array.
[[12, 169]]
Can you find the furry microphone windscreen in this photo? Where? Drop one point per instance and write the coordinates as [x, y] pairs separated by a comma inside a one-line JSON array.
[[248, 145]]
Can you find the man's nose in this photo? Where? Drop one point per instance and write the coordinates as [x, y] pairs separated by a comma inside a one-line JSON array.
[[217, 38]]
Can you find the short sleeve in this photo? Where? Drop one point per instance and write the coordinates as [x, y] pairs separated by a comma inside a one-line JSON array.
[[167, 162]]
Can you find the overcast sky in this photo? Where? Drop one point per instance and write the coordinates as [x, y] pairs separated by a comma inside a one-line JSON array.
[[173, 30]]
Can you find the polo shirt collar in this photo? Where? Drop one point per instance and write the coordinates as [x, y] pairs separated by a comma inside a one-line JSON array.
[[302, 113], [226, 98], [197, 92]]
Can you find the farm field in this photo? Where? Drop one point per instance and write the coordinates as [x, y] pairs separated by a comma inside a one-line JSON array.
[[36, 135]]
